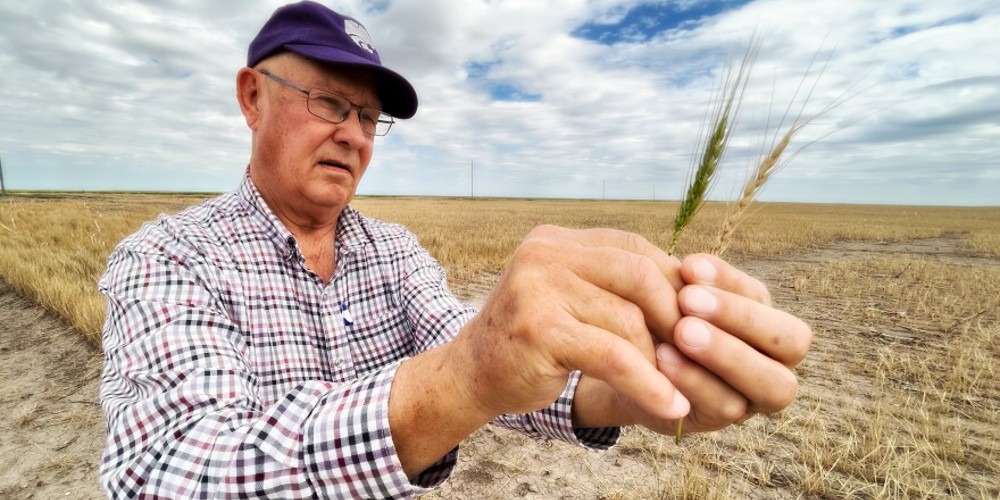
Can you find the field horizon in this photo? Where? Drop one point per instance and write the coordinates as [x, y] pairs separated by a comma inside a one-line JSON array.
[[28, 193]]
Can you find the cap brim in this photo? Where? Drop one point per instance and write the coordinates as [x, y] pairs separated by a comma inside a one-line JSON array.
[[399, 98]]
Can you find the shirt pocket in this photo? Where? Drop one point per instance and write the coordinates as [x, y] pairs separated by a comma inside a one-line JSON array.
[[378, 339]]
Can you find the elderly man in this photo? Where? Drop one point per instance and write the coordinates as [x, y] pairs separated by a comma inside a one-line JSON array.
[[274, 342]]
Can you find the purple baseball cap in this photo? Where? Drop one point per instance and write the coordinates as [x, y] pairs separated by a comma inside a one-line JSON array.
[[314, 31]]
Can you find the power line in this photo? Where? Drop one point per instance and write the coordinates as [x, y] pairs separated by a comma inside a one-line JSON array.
[[3, 187]]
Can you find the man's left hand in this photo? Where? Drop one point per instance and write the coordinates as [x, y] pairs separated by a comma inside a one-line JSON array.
[[732, 357]]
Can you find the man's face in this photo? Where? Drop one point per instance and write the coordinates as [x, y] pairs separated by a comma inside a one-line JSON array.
[[304, 166]]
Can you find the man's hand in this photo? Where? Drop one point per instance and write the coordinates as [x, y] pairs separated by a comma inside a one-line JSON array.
[[732, 354], [589, 300]]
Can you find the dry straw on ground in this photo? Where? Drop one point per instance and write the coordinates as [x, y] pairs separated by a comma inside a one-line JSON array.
[[899, 396]]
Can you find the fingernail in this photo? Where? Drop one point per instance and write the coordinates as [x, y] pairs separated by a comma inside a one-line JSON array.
[[704, 271], [695, 334], [700, 301], [681, 406], [668, 355]]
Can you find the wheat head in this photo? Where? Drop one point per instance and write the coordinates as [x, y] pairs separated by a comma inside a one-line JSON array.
[[726, 114], [767, 167], [697, 191]]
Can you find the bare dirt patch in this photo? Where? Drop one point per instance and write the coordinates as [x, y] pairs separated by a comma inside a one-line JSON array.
[[51, 432]]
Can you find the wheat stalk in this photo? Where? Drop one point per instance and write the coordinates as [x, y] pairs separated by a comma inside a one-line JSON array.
[[766, 168], [697, 191], [725, 117], [769, 164]]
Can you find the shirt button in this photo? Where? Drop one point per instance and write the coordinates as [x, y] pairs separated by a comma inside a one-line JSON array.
[[338, 362]]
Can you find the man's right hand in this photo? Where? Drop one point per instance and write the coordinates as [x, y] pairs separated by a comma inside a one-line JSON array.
[[590, 300]]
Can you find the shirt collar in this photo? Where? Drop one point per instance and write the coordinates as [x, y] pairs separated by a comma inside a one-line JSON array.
[[353, 232], [269, 224]]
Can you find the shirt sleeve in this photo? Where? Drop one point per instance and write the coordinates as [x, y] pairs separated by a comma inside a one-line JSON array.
[[184, 416], [434, 309], [556, 422]]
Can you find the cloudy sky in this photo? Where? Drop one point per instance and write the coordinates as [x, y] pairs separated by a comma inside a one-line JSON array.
[[563, 98]]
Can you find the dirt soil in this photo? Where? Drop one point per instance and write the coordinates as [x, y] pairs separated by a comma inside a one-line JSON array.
[[52, 433], [51, 429]]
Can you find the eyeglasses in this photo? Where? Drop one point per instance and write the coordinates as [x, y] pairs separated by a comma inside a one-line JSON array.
[[335, 109]]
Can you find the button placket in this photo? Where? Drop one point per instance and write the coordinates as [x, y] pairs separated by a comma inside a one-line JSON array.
[[340, 323]]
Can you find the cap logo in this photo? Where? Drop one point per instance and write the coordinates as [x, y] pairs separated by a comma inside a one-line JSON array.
[[359, 34]]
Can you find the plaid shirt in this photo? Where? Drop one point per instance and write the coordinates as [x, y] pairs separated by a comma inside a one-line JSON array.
[[231, 370]]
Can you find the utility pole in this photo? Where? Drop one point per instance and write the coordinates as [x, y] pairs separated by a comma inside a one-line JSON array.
[[472, 179], [3, 187], [604, 190]]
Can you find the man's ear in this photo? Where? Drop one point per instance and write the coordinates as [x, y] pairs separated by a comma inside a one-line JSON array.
[[249, 97]]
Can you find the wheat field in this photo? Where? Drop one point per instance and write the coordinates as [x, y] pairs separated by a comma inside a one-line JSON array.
[[899, 396]]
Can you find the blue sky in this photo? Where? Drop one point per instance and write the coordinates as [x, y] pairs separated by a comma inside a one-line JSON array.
[[566, 98]]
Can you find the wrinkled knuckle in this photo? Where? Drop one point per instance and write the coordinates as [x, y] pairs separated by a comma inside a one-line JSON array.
[[642, 272], [632, 319], [634, 240], [532, 250], [612, 356], [543, 329]]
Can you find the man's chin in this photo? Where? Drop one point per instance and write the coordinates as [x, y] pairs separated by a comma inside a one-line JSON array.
[[332, 196]]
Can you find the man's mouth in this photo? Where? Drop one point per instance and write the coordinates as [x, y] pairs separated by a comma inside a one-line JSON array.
[[335, 164]]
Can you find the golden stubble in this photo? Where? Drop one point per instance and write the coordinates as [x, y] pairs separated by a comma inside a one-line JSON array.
[[898, 396]]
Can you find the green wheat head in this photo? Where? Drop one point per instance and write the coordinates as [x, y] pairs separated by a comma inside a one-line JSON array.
[[714, 150]]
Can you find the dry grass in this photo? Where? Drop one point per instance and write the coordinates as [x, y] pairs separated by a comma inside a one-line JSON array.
[[899, 396], [931, 369], [54, 248], [26, 415], [985, 241], [491, 229]]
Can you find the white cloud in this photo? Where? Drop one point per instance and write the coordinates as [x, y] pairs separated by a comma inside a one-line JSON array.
[[119, 92]]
